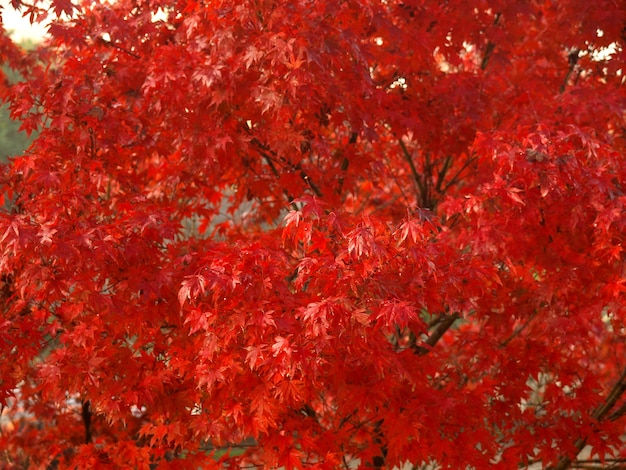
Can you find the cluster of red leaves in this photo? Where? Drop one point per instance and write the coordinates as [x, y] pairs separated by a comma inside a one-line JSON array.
[[315, 233]]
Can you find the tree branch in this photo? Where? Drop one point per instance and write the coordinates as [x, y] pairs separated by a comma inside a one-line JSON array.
[[265, 151], [572, 59], [442, 173], [616, 392], [119, 48], [518, 330], [87, 414], [455, 178], [345, 163], [490, 46], [618, 413], [488, 51], [270, 163], [441, 326], [416, 177]]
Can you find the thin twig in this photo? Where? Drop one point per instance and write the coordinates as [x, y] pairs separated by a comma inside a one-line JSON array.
[[119, 48], [426, 198], [266, 152], [409, 159], [518, 330], [455, 178], [270, 163], [442, 173], [490, 45], [616, 392], [572, 59], [345, 163], [618, 413], [488, 50]]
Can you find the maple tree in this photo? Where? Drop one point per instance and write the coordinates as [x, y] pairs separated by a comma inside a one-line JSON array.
[[315, 234]]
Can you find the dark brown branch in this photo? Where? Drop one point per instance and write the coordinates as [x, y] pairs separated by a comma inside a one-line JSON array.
[[490, 45], [572, 59], [488, 51], [616, 392], [345, 163], [442, 325], [414, 172], [87, 414], [307, 179], [269, 155], [427, 200], [442, 173], [119, 48], [518, 331], [270, 163], [440, 329], [455, 178], [344, 168], [621, 411]]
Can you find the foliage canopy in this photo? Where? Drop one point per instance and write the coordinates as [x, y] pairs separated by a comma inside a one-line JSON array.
[[358, 232]]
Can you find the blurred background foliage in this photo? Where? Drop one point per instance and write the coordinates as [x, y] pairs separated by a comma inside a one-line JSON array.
[[12, 141]]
